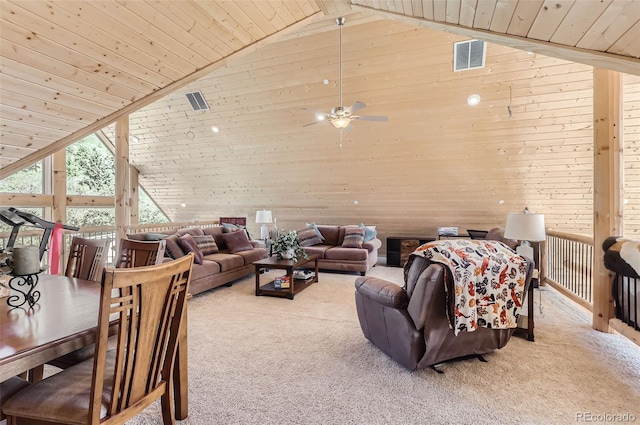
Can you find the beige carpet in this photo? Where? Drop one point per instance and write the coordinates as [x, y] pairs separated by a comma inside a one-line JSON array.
[[263, 360]]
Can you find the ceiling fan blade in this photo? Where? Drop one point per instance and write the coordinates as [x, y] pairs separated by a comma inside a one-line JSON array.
[[311, 123], [373, 118], [357, 105]]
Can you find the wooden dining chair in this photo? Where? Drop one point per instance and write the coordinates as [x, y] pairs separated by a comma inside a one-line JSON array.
[[10, 387], [131, 254], [87, 258], [139, 253], [150, 303]]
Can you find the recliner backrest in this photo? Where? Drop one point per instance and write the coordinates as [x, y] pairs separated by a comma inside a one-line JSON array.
[[412, 270], [421, 300]]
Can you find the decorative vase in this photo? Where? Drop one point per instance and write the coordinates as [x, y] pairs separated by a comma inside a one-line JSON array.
[[287, 254]]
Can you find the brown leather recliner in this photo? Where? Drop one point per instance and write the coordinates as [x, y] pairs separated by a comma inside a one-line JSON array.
[[412, 326]]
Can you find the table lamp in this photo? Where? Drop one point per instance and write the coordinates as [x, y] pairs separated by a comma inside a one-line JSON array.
[[264, 217], [525, 227]]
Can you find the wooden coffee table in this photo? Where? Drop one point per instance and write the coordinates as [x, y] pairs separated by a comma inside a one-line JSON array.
[[295, 286]]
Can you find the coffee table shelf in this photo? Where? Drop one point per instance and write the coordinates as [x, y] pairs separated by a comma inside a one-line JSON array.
[[289, 266]]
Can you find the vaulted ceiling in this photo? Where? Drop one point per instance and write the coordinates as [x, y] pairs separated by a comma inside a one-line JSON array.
[[70, 68]]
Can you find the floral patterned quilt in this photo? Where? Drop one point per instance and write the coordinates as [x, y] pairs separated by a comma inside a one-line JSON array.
[[489, 280]]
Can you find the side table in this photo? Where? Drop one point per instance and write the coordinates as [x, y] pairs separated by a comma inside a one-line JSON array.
[[399, 248], [526, 322]]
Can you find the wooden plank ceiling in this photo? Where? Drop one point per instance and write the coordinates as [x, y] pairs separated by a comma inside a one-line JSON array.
[[68, 68]]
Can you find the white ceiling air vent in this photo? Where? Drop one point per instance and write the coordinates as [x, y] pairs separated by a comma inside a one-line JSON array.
[[196, 99], [468, 55]]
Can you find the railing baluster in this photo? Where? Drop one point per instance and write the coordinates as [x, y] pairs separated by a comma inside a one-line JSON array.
[[569, 263]]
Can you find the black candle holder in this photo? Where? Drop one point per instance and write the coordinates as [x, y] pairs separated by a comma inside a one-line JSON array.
[[25, 286]]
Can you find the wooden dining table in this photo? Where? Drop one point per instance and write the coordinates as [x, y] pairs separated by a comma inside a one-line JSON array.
[[64, 319]]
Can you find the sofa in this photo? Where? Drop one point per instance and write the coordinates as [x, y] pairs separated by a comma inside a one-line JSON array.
[[334, 253], [220, 257]]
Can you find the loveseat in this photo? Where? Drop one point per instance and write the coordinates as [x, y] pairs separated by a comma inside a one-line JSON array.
[[354, 255], [222, 257]]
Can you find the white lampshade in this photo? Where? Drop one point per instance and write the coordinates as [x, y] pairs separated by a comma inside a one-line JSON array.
[[263, 217], [525, 227]]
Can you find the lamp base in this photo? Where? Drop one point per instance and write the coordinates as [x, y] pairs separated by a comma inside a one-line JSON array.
[[526, 250], [264, 232]]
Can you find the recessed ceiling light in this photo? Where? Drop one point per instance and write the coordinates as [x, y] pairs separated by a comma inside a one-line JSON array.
[[215, 129], [325, 82], [529, 53], [473, 100], [320, 117], [183, 205], [133, 138]]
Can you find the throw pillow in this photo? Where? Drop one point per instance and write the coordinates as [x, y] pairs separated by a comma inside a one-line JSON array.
[[370, 232], [155, 236], [172, 249], [237, 241], [206, 244], [315, 227], [230, 228], [308, 237], [353, 237], [188, 244]]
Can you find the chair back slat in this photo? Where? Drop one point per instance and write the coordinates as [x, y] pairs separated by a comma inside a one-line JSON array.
[[87, 258], [150, 303], [134, 253]]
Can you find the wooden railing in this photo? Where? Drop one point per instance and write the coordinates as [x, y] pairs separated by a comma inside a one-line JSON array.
[[32, 236], [569, 265]]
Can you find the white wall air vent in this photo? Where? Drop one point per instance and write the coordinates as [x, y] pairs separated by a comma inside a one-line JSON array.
[[468, 55], [196, 99]]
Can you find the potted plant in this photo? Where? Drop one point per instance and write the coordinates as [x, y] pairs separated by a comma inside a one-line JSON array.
[[287, 246]]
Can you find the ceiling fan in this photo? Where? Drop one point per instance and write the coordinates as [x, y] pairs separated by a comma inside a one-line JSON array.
[[340, 116]]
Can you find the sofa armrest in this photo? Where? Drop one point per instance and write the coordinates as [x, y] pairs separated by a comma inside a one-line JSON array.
[[382, 291], [372, 245]]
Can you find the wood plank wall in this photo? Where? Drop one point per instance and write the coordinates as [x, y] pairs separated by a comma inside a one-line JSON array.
[[437, 162], [631, 122]]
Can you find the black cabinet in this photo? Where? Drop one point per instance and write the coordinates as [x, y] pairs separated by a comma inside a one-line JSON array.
[[399, 248]]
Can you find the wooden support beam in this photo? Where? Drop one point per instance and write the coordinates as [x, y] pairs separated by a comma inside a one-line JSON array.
[[90, 201], [59, 210], [122, 177], [60, 186], [25, 200], [134, 202], [607, 186]]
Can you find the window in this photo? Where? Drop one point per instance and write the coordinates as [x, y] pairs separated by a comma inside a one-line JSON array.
[[468, 55], [91, 168], [27, 180]]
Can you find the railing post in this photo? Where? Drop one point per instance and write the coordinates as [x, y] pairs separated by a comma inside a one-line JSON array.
[[542, 271]]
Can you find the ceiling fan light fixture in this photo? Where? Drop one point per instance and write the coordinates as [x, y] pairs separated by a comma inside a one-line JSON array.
[[339, 116], [341, 122]]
